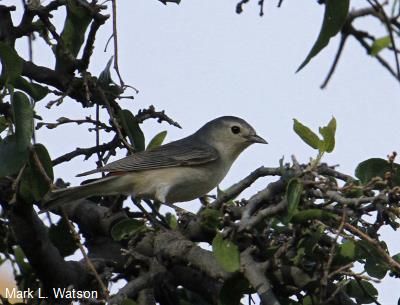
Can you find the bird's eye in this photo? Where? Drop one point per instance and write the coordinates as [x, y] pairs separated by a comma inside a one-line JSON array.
[[235, 129]]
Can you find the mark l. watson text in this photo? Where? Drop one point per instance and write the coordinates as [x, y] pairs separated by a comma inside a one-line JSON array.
[[58, 293]]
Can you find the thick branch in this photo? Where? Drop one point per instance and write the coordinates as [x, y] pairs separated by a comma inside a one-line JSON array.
[[248, 224], [88, 49], [47, 76], [255, 273], [172, 247], [264, 195], [240, 186], [195, 280], [7, 33], [133, 287], [95, 223], [49, 265]]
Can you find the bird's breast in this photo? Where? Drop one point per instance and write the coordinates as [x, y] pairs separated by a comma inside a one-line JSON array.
[[178, 184]]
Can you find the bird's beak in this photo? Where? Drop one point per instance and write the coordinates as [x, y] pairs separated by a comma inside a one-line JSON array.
[[256, 139]]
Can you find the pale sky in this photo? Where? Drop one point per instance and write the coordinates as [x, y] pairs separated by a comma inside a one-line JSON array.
[[201, 60]]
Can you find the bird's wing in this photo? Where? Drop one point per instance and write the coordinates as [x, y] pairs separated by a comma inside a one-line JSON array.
[[174, 154]]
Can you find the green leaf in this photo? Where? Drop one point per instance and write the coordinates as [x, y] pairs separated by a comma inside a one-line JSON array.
[[62, 238], [12, 159], [376, 167], [307, 300], [301, 252], [364, 292], [132, 129], [334, 18], [365, 250], [157, 140], [73, 35], [11, 63], [328, 134], [3, 123], [312, 214], [226, 253], [36, 91], [111, 89], [33, 185], [380, 44], [126, 228], [293, 196], [348, 249], [233, 290], [23, 120], [347, 253], [209, 219], [172, 221], [20, 258], [306, 134], [375, 268], [45, 159], [105, 75], [310, 242]]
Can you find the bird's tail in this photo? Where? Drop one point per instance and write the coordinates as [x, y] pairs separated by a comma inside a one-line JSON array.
[[54, 199]]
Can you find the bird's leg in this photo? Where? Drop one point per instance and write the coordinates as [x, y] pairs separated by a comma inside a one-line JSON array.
[[151, 217], [155, 206]]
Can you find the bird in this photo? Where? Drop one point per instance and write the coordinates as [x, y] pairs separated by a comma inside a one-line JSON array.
[[179, 171]]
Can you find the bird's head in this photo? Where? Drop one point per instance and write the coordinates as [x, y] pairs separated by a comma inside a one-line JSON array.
[[229, 135]]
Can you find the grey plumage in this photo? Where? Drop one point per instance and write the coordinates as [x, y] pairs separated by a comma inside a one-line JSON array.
[[178, 153], [179, 171]]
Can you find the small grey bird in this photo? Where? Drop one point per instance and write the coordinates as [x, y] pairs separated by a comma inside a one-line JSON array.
[[175, 172]]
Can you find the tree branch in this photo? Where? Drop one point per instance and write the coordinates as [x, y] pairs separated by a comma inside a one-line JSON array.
[[255, 273], [87, 152], [51, 268], [240, 186]]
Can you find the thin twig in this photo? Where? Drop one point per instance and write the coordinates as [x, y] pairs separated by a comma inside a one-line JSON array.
[[360, 36], [325, 277], [86, 257], [107, 43], [15, 185], [380, 9], [339, 52], [41, 169], [151, 113], [115, 36], [340, 270], [87, 152], [114, 121], [359, 276], [64, 120], [89, 46], [340, 286], [149, 216], [395, 265], [99, 162]]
